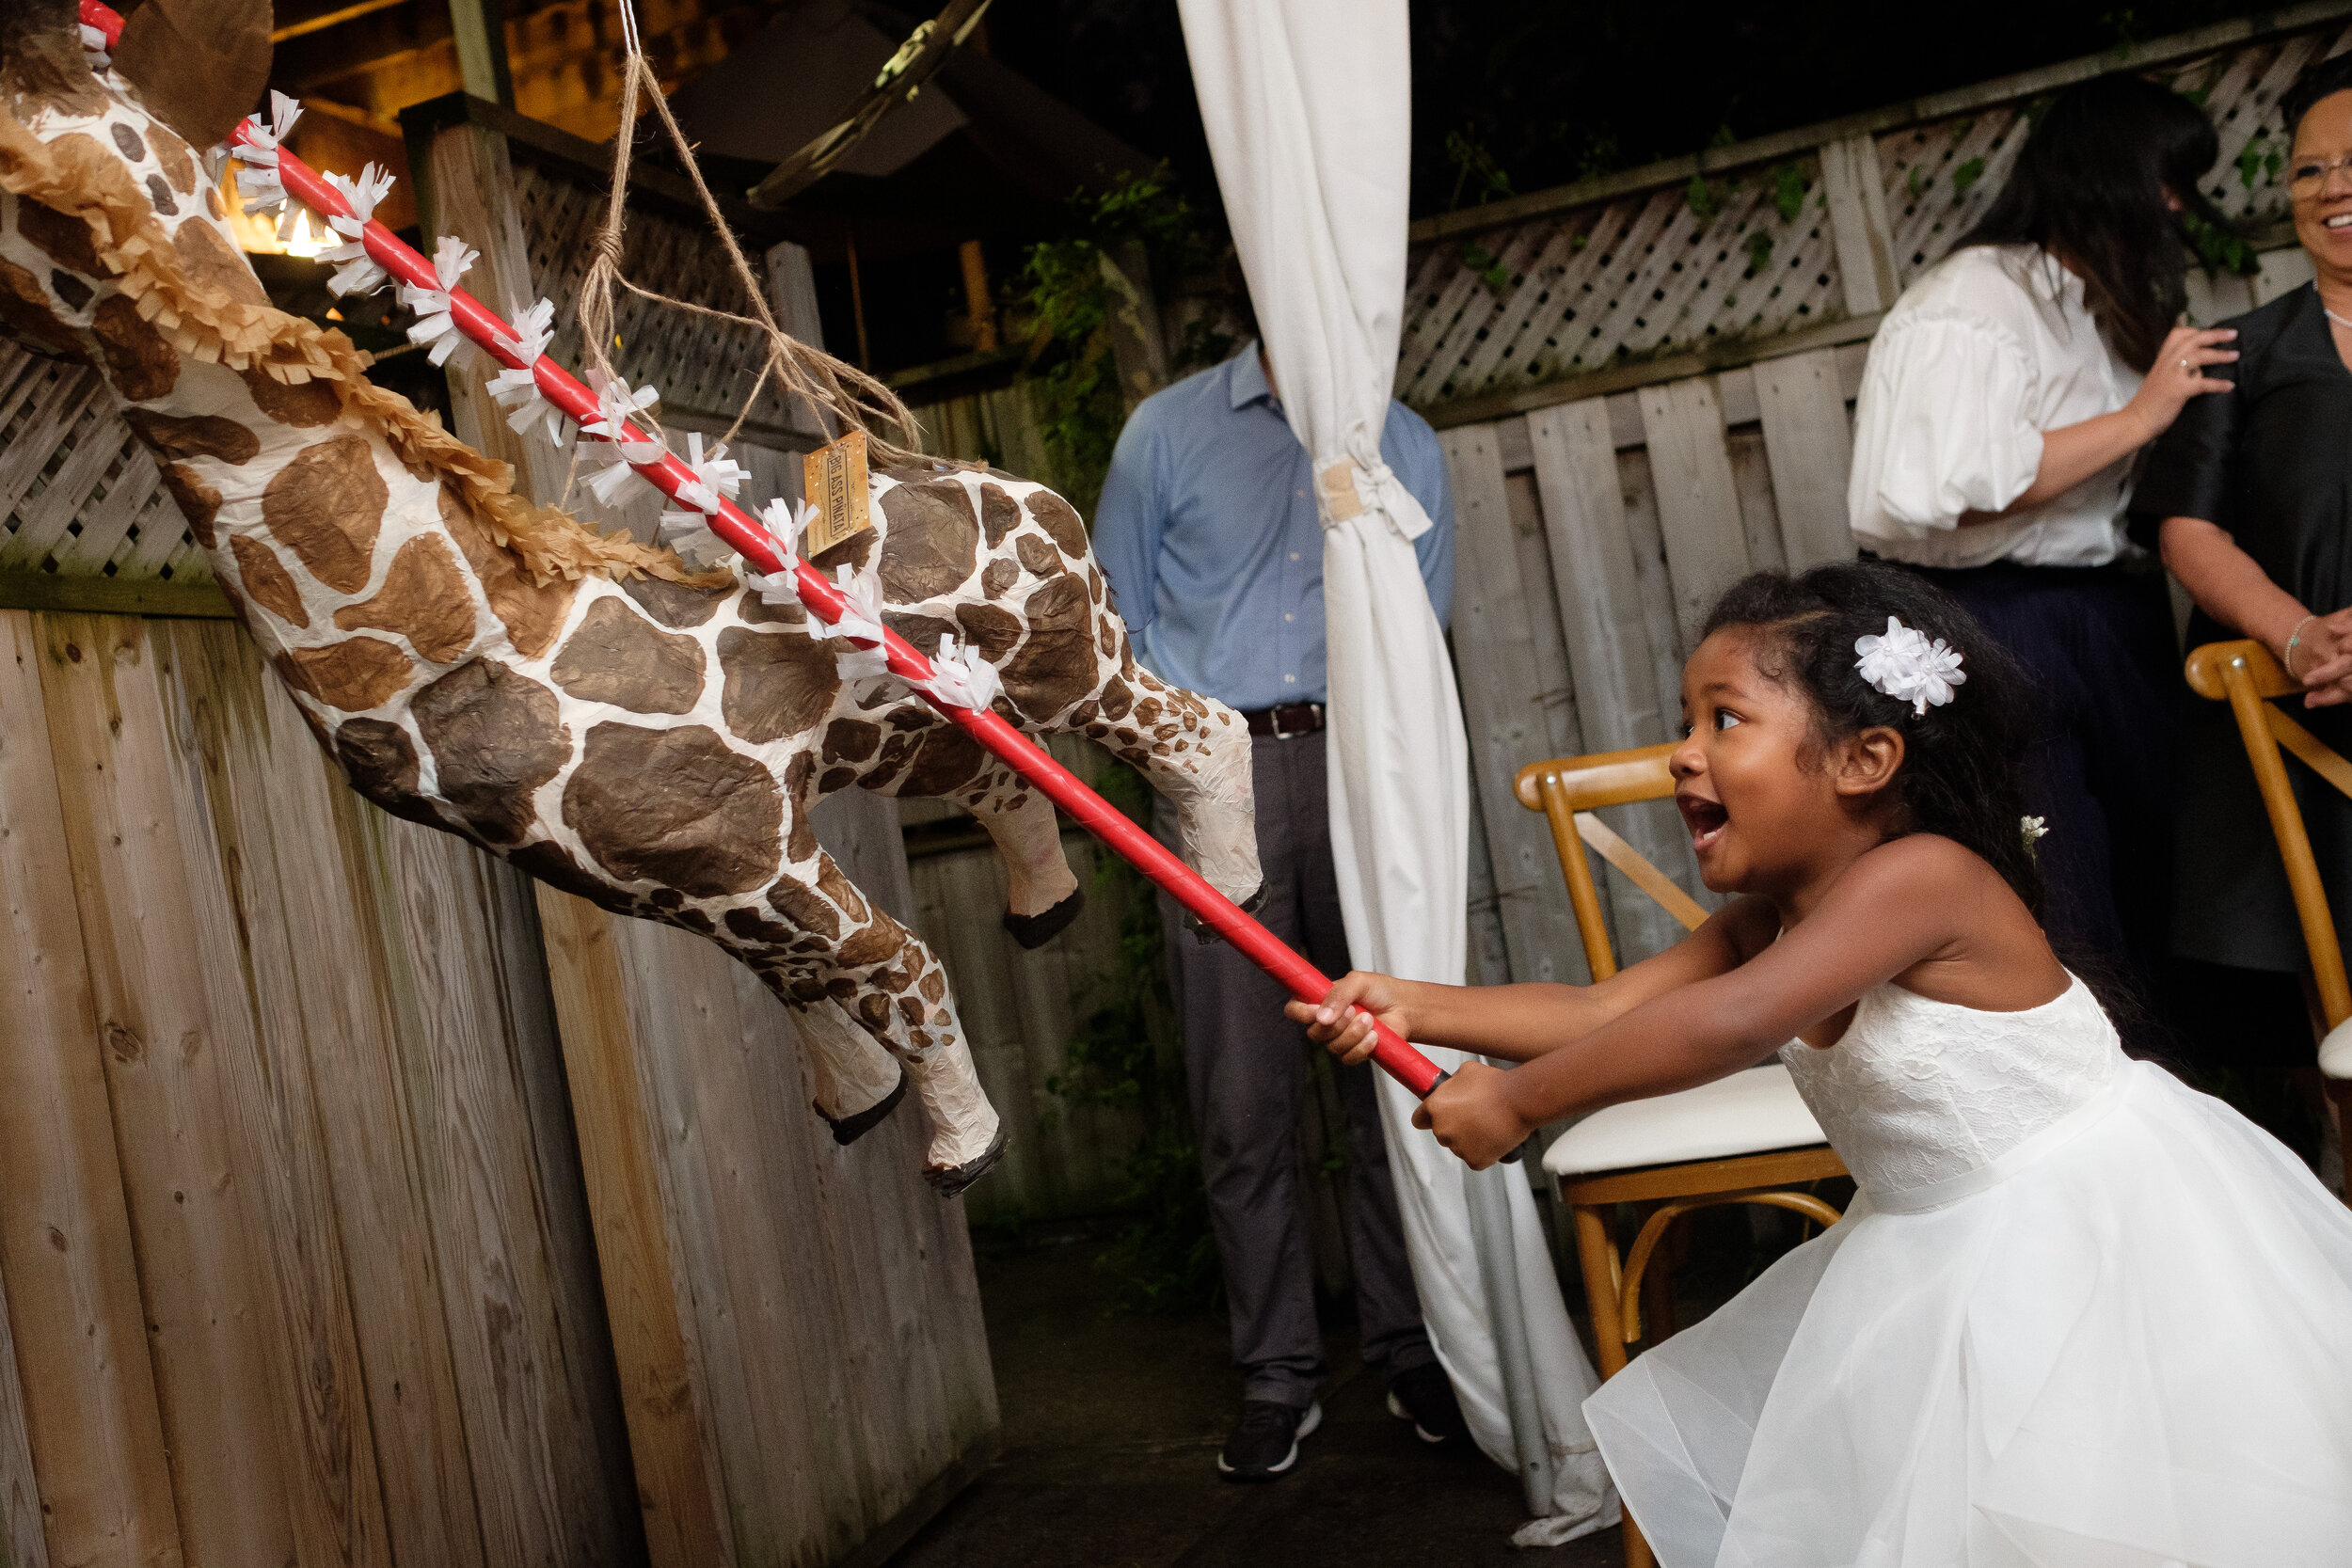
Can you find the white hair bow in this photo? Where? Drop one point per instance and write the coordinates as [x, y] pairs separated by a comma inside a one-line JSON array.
[[1907, 666]]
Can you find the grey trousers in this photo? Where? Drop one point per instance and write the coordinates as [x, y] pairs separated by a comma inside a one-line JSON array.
[[1246, 1066]]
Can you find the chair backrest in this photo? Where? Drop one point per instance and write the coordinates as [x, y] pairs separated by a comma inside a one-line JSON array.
[[2245, 676], [1568, 790]]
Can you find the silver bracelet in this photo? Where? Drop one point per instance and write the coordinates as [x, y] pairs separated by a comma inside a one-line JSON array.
[[2286, 654]]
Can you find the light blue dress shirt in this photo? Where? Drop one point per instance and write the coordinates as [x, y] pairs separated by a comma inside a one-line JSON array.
[[1207, 531]]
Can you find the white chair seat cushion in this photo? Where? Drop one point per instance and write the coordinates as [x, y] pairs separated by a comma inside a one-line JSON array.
[[2335, 1052], [1747, 1113]]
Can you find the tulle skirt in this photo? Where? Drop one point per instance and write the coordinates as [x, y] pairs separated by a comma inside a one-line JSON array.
[[2133, 1349]]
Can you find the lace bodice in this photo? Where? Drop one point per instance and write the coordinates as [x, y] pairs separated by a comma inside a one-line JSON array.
[[1920, 1091]]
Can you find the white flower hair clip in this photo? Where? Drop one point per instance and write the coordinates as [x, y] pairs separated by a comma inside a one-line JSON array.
[[1907, 666]]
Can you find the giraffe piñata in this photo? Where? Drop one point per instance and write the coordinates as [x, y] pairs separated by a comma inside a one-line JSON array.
[[580, 703]]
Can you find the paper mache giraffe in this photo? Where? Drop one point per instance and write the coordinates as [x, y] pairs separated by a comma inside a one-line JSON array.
[[580, 703]]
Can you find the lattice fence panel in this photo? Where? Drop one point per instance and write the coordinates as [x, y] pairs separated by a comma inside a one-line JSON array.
[[1653, 273], [1648, 276], [79, 497], [702, 365]]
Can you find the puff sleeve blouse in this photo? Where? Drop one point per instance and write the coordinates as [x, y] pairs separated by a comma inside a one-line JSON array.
[[1989, 349]]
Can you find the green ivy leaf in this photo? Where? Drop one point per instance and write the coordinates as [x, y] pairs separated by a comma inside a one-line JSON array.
[[1917, 181], [2250, 161], [1702, 197], [1759, 250], [1966, 175], [1788, 191]]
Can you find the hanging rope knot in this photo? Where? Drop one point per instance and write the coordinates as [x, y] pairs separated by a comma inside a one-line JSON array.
[[436, 322], [356, 273]]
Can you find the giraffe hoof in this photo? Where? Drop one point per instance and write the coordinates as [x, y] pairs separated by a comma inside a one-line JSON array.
[[1035, 930], [1204, 934], [849, 1128], [951, 1179]]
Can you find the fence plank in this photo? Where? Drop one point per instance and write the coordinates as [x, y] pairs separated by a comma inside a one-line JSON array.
[[1698, 503], [1855, 188], [21, 1544], [143, 898], [1501, 702], [71, 1288], [1608, 635], [1809, 440]]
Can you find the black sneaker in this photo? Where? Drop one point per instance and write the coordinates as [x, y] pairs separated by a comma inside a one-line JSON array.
[[1424, 1396], [1264, 1442]]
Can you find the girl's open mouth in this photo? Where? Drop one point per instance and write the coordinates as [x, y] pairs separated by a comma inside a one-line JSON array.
[[1706, 818]]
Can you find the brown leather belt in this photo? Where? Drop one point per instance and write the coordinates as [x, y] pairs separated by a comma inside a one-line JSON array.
[[1285, 721]]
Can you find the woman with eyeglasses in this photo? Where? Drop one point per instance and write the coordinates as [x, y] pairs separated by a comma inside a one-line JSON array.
[[2007, 398], [2250, 497]]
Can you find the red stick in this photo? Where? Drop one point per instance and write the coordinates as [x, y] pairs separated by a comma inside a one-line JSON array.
[[1408, 1066]]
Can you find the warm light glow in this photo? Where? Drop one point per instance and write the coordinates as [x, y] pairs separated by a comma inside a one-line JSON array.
[[256, 235]]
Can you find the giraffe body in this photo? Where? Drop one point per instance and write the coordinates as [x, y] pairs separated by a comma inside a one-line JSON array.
[[649, 744]]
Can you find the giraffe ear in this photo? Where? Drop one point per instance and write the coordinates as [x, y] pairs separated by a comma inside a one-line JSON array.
[[199, 65]]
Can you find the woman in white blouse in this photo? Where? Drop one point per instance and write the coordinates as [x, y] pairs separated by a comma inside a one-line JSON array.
[[2007, 395]]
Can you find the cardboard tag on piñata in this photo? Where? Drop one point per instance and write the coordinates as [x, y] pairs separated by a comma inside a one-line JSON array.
[[835, 479]]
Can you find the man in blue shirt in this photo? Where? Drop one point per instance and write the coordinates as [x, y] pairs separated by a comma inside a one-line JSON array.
[[1207, 531]]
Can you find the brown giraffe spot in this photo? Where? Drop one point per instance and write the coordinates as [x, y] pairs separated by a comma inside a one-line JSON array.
[[199, 435], [873, 1008], [28, 316], [852, 741], [834, 884], [71, 289], [802, 843], [496, 736], [353, 675], [1107, 638], [758, 611], [751, 926], [142, 365], [160, 196], [909, 716], [619, 656], [212, 203], [424, 599], [1117, 699], [381, 764], [777, 684], [210, 261], [894, 752], [531, 614], [1148, 711], [553, 865], [675, 807], [267, 583], [808, 991], [1081, 715], [841, 990], [836, 778], [1095, 589], [1056, 667], [61, 237], [1038, 556], [1000, 576], [172, 154], [800, 905], [672, 606], [666, 898], [852, 553], [933, 987], [694, 920], [128, 141], [948, 760], [912, 1010], [306, 407], [1060, 518], [934, 542], [199, 503], [919, 1039], [327, 506], [992, 632], [883, 938], [999, 514], [923, 631]]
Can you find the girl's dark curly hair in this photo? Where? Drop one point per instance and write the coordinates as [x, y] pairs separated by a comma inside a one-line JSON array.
[[1965, 760]]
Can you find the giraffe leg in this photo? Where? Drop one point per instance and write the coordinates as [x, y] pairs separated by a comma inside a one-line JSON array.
[[1196, 752], [857, 1083], [1042, 892]]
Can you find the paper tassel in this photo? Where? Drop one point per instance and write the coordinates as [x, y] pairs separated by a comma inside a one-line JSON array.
[[517, 391], [714, 476], [94, 47], [434, 322], [962, 678], [356, 272], [257, 181], [860, 621]]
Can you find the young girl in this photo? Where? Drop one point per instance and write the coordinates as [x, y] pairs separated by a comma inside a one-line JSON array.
[[2078, 1314]]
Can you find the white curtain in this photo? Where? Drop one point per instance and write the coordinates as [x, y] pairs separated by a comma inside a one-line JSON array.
[[1308, 109]]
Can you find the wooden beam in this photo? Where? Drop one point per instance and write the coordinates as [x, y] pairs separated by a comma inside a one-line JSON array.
[[1809, 441], [97, 595], [1855, 188], [1698, 503], [480, 32]]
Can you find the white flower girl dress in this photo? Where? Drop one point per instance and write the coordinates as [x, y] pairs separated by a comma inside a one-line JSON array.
[[2079, 1317]]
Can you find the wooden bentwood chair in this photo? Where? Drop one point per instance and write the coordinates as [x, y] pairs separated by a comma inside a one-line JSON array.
[[2246, 677], [1742, 1139]]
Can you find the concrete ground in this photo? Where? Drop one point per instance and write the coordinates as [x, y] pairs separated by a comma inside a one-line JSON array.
[[1111, 1429]]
